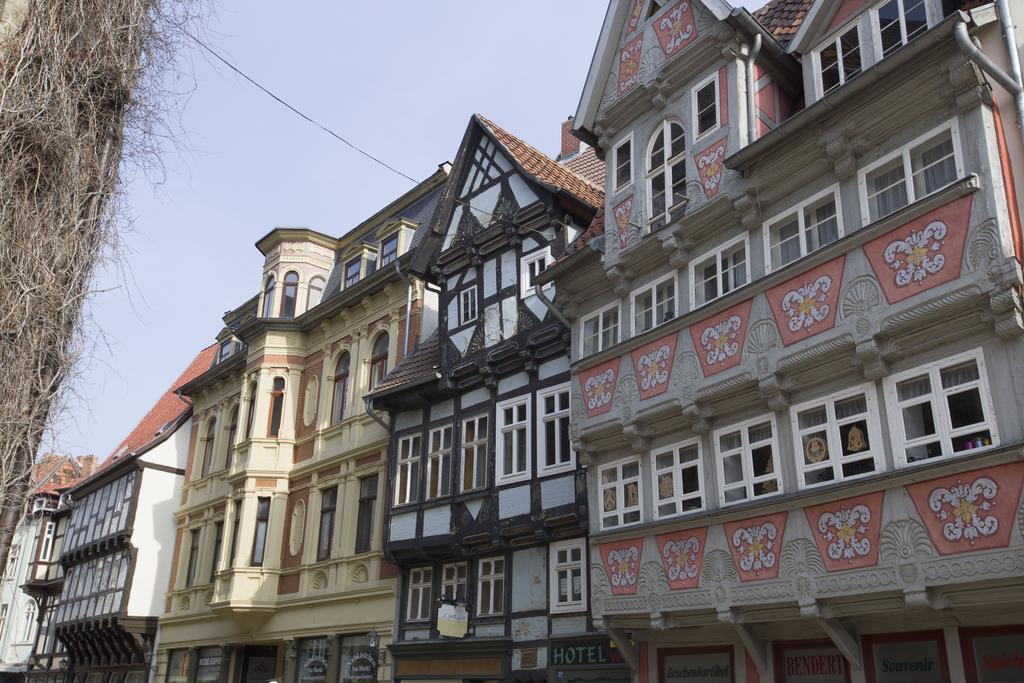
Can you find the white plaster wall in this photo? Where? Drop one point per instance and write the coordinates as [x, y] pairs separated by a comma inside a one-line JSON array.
[[13, 651], [153, 533]]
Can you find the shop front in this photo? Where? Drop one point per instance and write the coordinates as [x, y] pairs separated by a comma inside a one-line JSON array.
[[993, 655], [480, 660]]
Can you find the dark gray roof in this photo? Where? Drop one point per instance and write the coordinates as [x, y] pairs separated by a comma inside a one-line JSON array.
[[418, 367]]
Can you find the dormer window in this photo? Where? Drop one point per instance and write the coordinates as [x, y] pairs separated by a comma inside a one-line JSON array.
[[839, 61], [289, 294], [268, 297], [899, 22], [388, 250], [352, 272]]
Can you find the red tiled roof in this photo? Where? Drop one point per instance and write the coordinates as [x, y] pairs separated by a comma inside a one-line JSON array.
[[782, 18], [544, 168], [588, 165], [170, 407], [595, 229], [55, 473]]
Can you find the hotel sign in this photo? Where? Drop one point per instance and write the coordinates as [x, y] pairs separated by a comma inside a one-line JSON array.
[[584, 653]]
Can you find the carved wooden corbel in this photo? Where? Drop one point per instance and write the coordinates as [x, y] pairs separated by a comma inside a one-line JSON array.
[[772, 389], [621, 279], [871, 357], [638, 436], [657, 92], [698, 417], [604, 133], [1004, 298], [845, 640]]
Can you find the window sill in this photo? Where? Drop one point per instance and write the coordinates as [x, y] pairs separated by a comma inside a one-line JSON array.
[[513, 479], [564, 468]]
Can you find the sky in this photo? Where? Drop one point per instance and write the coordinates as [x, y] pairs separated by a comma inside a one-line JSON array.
[[399, 79]]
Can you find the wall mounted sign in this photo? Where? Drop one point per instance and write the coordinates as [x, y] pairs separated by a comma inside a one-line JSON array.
[[452, 620], [814, 664], [846, 531], [806, 305], [705, 666], [922, 253], [589, 652], [972, 510]]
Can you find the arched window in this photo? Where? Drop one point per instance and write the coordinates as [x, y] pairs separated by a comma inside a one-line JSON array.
[[268, 298], [276, 407], [251, 411], [379, 359], [28, 626], [666, 174], [211, 431], [340, 388], [289, 294], [316, 291], [232, 434]]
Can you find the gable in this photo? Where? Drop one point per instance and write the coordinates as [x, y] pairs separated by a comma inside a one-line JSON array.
[[490, 190]]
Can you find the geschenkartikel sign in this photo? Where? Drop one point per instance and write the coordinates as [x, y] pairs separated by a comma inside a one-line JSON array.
[[704, 667]]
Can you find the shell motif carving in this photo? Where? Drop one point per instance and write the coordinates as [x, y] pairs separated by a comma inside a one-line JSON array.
[[984, 248], [599, 580], [652, 578], [800, 557], [360, 574], [718, 568], [320, 580], [650, 63], [762, 338], [904, 539], [861, 297], [184, 603]]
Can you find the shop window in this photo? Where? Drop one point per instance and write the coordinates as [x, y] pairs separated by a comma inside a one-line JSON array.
[[993, 655], [941, 409], [474, 453], [178, 666], [453, 581], [365, 513], [357, 661], [514, 451], [654, 304], [719, 272], [407, 470], [312, 660], [678, 480], [746, 457], [568, 580], [837, 437], [600, 331], [918, 169], [209, 661], [439, 462], [555, 453], [620, 493], [490, 587], [897, 657], [419, 600]]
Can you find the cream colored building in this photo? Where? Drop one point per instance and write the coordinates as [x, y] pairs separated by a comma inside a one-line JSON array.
[[278, 567]]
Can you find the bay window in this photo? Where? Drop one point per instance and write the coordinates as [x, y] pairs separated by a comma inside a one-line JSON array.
[[276, 408], [678, 479], [719, 272], [600, 331], [806, 228], [837, 437], [259, 541], [619, 484], [746, 460], [654, 304]]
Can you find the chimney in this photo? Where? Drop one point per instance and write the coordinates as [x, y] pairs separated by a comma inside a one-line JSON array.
[[570, 144]]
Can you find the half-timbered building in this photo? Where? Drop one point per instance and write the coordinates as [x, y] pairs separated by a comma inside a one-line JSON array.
[[114, 553], [797, 340], [487, 511]]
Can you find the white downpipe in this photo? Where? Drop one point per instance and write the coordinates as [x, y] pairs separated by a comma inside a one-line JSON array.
[[755, 49], [1010, 39]]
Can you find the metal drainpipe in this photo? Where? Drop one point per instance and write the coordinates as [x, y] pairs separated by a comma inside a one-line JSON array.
[[974, 53], [376, 418], [537, 289], [1010, 38], [755, 49], [408, 305]]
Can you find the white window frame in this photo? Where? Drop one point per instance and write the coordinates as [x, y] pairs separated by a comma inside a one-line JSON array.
[[620, 489], [468, 295], [475, 445], [831, 428], [876, 25], [554, 605], [908, 171], [454, 582], [599, 315], [615, 163], [435, 459], [46, 541], [669, 162], [749, 480], [713, 78], [410, 494], [940, 411], [835, 41], [425, 582], [542, 455], [653, 288], [799, 209], [677, 479], [12, 561], [717, 253], [490, 578], [27, 628], [503, 431], [526, 285]]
